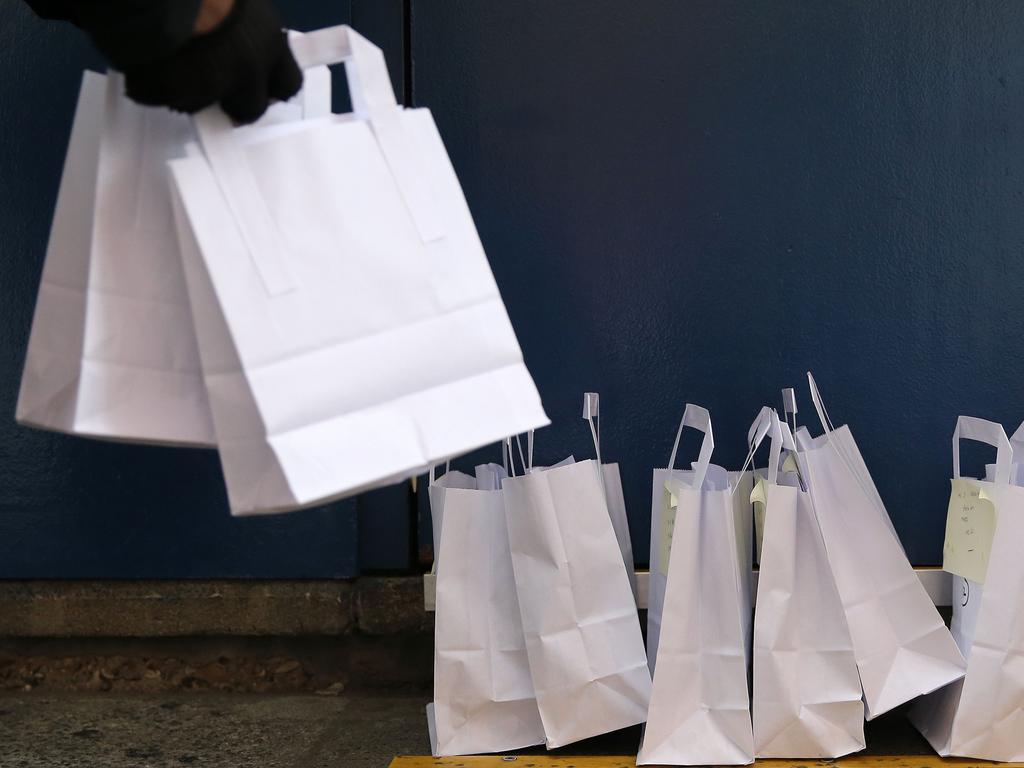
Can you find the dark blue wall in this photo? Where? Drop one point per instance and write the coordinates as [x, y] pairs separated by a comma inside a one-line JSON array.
[[701, 200], [692, 200]]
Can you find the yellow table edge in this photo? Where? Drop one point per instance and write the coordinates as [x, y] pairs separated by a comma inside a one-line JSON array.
[[547, 761]]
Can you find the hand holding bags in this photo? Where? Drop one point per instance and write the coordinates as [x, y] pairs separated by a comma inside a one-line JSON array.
[[700, 704], [582, 631], [903, 647], [483, 693], [807, 695], [350, 329], [981, 716]]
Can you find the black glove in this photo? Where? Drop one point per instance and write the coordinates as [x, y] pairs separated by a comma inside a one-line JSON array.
[[242, 64]]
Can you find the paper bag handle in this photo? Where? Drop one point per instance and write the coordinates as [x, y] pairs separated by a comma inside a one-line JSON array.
[[433, 467], [819, 405], [315, 96], [592, 415], [781, 440], [697, 418], [1017, 440], [989, 433], [755, 436], [373, 99], [365, 69], [789, 405]]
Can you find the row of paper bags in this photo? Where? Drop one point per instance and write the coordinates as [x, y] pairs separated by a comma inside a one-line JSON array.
[[308, 294], [538, 639]]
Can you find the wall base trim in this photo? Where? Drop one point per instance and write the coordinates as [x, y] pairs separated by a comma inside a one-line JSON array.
[[936, 581]]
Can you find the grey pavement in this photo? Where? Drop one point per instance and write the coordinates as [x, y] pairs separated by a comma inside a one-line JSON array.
[[216, 730], [209, 730]]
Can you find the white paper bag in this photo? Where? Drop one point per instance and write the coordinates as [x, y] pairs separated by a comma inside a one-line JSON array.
[[807, 695], [700, 702], [981, 716], [902, 645], [582, 630], [483, 692], [351, 331], [113, 352], [663, 515]]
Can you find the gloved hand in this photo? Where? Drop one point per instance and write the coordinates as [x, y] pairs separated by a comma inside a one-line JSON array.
[[243, 63]]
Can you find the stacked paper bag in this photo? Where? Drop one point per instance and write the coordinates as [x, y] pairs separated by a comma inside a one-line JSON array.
[[537, 637], [982, 715], [308, 294], [807, 693], [699, 613], [843, 628], [484, 699]]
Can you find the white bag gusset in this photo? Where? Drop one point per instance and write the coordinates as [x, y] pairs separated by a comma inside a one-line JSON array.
[[700, 703], [807, 695], [49, 384], [435, 494], [351, 331], [612, 489], [902, 645], [582, 631], [483, 692], [982, 716], [112, 352]]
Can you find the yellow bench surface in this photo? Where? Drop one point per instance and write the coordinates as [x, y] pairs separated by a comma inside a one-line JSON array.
[[544, 761]]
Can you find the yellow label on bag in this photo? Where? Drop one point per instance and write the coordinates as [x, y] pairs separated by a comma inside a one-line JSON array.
[[789, 464], [669, 505], [970, 526]]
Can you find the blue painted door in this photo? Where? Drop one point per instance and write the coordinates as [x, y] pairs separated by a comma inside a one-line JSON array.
[[700, 201]]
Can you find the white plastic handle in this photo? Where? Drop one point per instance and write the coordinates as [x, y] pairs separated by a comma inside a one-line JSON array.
[[989, 433], [697, 418]]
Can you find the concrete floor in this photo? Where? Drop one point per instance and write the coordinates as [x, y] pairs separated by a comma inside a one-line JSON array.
[[117, 730], [233, 730]]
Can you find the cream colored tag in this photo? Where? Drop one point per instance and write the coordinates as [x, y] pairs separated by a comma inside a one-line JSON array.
[[970, 526], [669, 506], [789, 464], [759, 500]]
